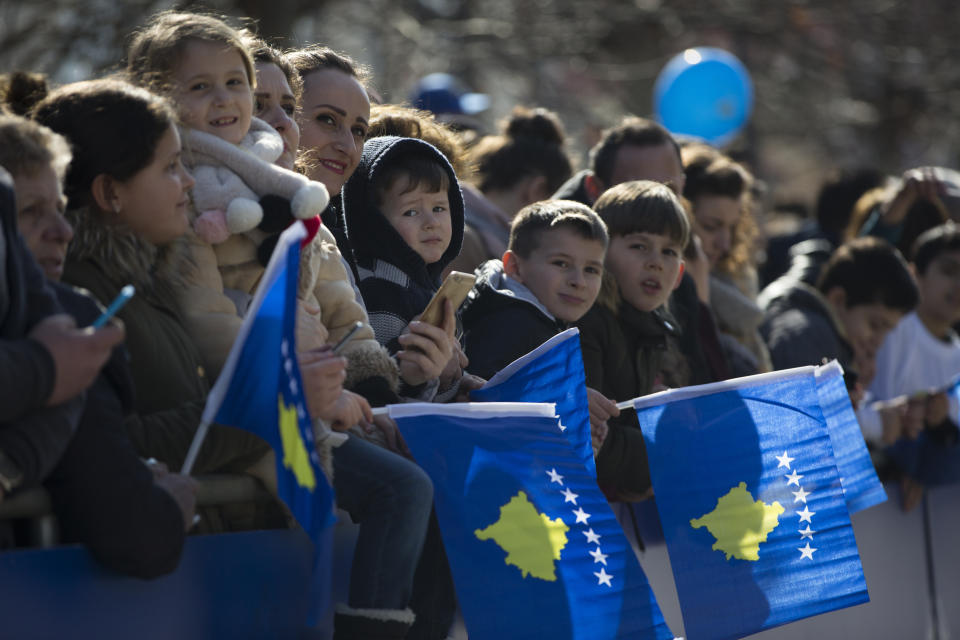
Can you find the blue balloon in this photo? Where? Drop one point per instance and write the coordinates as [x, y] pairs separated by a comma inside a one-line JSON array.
[[704, 92]]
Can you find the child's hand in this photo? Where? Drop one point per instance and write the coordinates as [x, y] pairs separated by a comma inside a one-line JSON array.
[[893, 418], [468, 382], [348, 410], [311, 334], [602, 409], [391, 434], [455, 366], [936, 409], [426, 349], [323, 373]]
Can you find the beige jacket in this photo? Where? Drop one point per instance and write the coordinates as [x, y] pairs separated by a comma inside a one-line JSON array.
[[328, 307]]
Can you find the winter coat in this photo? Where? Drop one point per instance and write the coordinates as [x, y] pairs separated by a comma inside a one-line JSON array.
[[32, 435], [102, 494], [806, 262], [222, 278], [625, 354], [502, 321], [800, 329], [169, 377], [395, 282]]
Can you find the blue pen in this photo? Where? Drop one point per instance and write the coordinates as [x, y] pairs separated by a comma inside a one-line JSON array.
[[125, 294]]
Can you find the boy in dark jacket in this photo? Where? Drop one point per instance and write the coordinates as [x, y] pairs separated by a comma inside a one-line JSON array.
[[549, 277], [628, 337], [404, 220], [863, 292]]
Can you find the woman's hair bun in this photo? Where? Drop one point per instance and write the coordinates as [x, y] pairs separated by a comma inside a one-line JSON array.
[[21, 90], [539, 124]]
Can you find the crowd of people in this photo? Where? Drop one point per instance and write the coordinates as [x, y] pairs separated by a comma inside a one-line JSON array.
[[177, 176]]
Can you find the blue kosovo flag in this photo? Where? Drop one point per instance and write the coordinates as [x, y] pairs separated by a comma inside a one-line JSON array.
[[260, 389], [553, 373], [751, 503], [534, 548], [861, 487]]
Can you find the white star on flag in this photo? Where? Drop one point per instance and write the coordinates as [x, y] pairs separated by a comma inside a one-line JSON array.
[[806, 552], [582, 516], [785, 460], [800, 495], [555, 477], [805, 514], [288, 366], [806, 533], [599, 556], [284, 348], [592, 537], [570, 496], [793, 478], [603, 577], [560, 424], [293, 386]]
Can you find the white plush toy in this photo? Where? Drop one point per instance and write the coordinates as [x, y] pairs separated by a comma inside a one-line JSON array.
[[231, 179]]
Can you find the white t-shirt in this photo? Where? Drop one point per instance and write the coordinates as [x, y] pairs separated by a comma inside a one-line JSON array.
[[912, 359]]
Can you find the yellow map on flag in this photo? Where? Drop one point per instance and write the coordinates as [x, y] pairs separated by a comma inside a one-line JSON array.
[[295, 456], [532, 540], [739, 523]]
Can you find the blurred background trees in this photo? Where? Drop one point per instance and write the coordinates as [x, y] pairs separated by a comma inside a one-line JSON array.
[[864, 82]]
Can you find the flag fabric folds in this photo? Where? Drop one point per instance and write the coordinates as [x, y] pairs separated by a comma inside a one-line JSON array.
[[861, 487], [751, 503], [553, 372], [260, 389], [534, 548]]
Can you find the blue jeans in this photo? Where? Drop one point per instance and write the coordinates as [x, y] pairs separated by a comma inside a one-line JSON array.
[[390, 497]]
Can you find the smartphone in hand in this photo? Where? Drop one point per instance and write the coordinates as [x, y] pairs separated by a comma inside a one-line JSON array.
[[455, 289]]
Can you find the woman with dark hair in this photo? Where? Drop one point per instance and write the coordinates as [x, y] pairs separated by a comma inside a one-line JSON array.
[[718, 190], [389, 495], [276, 96], [127, 197]]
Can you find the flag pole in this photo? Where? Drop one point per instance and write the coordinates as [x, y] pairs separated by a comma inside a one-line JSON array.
[[195, 447]]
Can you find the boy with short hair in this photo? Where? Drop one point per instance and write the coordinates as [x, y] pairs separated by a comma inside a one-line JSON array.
[[862, 293], [548, 278], [404, 218], [628, 338], [922, 354]]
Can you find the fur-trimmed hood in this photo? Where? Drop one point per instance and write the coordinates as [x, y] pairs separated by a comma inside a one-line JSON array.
[[130, 258], [370, 234]]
